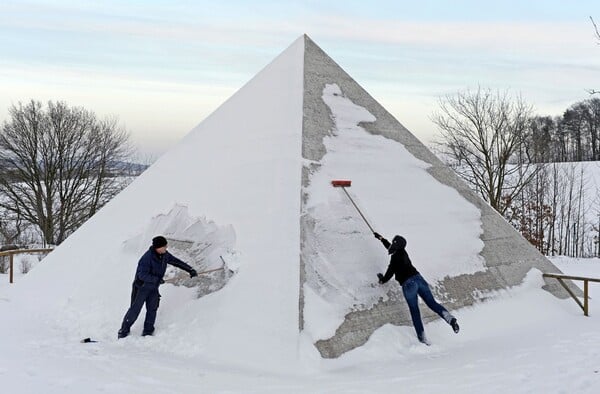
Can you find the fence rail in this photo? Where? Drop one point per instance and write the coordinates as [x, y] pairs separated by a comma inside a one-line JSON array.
[[585, 306], [13, 252]]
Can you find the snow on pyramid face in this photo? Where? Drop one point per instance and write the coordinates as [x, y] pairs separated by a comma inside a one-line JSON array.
[[457, 241], [236, 176], [254, 179]]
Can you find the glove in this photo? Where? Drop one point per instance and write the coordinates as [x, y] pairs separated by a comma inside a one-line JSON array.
[[193, 273], [380, 276], [377, 235]]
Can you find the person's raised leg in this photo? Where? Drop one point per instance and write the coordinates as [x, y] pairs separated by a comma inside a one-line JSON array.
[[425, 293], [410, 290]]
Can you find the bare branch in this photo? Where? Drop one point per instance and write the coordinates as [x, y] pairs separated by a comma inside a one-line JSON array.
[[596, 30], [597, 33], [481, 130]]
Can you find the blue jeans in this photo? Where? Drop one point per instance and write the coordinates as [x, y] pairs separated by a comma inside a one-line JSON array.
[[416, 285], [141, 294]]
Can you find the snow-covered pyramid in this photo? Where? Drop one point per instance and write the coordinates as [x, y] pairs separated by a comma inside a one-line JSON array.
[[250, 188], [462, 246]]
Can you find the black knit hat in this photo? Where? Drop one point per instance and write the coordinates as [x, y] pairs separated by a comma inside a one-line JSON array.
[[159, 242], [398, 243]]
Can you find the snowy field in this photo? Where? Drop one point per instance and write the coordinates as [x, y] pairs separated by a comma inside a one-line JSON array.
[[526, 341]]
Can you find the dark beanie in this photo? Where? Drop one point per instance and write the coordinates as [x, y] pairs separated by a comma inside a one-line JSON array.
[[159, 242], [398, 243]]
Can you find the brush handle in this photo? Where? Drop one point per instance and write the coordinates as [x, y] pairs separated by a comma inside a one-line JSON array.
[[361, 215]]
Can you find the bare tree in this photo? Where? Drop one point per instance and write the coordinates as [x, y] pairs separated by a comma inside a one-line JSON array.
[[482, 130], [11, 228], [555, 212], [597, 33], [58, 166], [538, 143], [531, 212]]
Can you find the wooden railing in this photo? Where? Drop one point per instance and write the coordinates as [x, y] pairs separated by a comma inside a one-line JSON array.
[[11, 253], [560, 277]]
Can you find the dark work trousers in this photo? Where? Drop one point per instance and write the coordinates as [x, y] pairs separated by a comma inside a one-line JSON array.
[[141, 294], [416, 285]]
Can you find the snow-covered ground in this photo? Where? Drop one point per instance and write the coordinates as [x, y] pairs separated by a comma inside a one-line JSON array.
[[525, 341]]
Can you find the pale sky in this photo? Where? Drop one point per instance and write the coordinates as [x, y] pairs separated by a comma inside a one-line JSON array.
[[161, 67]]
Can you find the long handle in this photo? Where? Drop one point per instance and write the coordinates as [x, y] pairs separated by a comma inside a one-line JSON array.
[[361, 215], [212, 270], [173, 280]]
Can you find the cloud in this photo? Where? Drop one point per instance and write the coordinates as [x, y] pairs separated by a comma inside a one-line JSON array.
[[131, 58], [229, 27], [524, 36]]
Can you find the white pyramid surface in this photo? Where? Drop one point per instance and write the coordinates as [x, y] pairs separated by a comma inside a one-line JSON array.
[[240, 167], [251, 186]]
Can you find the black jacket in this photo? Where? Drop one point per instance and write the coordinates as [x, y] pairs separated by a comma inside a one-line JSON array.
[[152, 266], [400, 265]]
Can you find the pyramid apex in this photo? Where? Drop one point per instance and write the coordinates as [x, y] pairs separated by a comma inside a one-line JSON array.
[[307, 38]]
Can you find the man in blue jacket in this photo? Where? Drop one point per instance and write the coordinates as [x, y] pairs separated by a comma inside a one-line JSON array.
[[412, 284], [149, 275]]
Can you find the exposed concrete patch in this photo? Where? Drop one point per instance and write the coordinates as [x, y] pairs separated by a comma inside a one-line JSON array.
[[198, 242]]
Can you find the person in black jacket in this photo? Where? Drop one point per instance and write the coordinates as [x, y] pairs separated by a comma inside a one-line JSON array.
[[412, 284], [149, 275]]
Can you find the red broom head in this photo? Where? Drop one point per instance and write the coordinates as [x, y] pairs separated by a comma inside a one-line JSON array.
[[341, 183]]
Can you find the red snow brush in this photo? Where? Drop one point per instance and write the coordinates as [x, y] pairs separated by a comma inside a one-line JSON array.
[[344, 184], [341, 183]]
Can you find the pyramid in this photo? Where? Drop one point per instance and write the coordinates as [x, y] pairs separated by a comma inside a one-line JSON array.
[[263, 165]]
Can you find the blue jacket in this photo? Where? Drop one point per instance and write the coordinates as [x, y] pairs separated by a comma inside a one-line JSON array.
[[152, 266]]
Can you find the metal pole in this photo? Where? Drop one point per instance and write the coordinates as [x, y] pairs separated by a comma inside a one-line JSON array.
[[361, 215], [212, 270]]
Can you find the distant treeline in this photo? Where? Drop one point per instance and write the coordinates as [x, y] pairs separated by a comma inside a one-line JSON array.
[[572, 137], [558, 210], [537, 171]]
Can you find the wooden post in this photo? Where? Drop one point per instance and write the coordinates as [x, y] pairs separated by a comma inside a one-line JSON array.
[[585, 298], [11, 268], [563, 284], [585, 305], [10, 253]]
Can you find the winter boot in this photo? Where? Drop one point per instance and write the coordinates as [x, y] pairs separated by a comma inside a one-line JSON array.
[[122, 334], [423, 339], [148, 333], [454, 325]]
